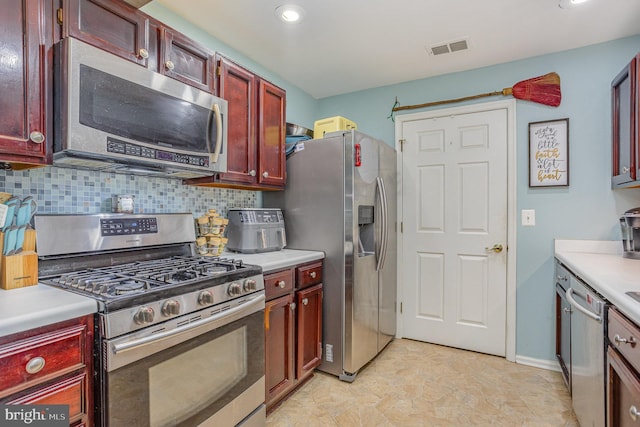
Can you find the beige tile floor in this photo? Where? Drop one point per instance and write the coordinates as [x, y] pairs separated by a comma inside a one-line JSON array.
[[417, 384]]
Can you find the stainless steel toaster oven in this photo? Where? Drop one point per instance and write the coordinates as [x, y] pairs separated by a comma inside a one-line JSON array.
[[253, 230]]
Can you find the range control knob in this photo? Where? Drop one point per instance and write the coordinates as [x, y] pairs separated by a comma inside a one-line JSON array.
[[205, 298], [170, 308], [234, 289], [143, 315], [250, 285]]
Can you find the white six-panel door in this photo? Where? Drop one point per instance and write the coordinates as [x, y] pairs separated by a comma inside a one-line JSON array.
[[454, 213]]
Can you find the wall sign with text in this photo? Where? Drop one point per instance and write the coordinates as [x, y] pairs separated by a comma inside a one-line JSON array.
[[549, 153]]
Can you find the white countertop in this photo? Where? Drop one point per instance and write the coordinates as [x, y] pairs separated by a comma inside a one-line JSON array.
[[276, 260], [40, 305], [601, 265]]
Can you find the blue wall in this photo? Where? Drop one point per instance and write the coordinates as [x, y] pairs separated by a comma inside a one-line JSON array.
[[587, 209]]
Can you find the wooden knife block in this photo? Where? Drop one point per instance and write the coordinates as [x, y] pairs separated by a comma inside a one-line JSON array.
[[19, 270]]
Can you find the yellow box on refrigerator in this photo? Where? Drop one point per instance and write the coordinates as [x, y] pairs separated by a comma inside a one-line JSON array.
[[331, 124]]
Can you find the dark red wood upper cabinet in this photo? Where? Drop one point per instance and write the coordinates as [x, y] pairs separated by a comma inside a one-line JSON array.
[[185, 60], [271, 135], [238, 86], [625, 115], [26, 31], [110, 25], [256, 131]]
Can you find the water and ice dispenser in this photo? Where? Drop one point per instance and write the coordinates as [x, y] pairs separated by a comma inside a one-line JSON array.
[[366, 231]]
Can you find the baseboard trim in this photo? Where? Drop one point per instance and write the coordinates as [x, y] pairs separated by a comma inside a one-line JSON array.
[[550, 365]]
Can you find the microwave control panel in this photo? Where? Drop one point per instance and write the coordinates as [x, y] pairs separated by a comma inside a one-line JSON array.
[[134, 150]]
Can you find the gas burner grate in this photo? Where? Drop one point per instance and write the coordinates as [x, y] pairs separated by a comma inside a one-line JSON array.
[[141, 276]]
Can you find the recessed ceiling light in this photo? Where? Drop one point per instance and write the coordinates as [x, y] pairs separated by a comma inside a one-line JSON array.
[[289, 13], [566, 4]]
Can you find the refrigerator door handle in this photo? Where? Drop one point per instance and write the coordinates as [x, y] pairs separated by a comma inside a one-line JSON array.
[[385, 229]]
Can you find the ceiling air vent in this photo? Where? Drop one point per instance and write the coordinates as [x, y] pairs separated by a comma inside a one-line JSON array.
[[449, 47]]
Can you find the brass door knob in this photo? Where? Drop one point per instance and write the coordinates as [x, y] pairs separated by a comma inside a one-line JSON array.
[[497, 248]]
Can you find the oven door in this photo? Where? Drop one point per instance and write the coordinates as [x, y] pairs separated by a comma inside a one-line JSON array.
[[207, 371]]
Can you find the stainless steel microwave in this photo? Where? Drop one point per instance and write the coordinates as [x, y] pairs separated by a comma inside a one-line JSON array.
[[116, 116]]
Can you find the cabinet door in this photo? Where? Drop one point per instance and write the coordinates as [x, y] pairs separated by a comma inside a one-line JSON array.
[[185, 60], [623, 392], [271, 135], [279, 350], [113, 26], [238, 86], [25, 77], [309, 330], [624, 121]]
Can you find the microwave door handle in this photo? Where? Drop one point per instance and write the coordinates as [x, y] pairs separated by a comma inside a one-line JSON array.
[[216, 152]]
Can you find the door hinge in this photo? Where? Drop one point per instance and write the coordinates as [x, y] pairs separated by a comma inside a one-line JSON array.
[[401, 226], [59, 15], [401, 308], [402, 141], [219, 70]]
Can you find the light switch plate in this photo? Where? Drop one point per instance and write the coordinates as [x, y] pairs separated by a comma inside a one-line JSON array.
[[528, 217]]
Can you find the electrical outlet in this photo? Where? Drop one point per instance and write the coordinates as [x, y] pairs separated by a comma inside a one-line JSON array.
[[528, 217]]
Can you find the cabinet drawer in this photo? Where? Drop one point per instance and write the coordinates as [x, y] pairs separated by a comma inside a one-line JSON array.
[[309, 274], [624, 336], [279, 283], [70, 391], [42, 357]]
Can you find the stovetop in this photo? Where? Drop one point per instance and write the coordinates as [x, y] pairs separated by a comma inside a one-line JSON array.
[[135, 283]]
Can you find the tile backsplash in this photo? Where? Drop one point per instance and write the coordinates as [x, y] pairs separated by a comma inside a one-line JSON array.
[[75, 191]]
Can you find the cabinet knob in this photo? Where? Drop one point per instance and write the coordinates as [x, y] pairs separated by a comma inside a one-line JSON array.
[[37, 137], [305, 301], [252, 172], [143, 53], [625, 169], [170, 65], [619, 340], [292, 306], [633, 412], [313, 274], [35, 365], [281, 284], [265, 174]]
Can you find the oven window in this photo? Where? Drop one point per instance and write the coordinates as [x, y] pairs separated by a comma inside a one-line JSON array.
[[186, 384], [183, 375], [120, 107]]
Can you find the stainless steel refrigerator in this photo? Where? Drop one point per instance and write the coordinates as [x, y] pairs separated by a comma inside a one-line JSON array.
[[340, 198]]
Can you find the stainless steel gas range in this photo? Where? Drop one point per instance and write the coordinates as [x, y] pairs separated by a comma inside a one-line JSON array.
[[179, 337]]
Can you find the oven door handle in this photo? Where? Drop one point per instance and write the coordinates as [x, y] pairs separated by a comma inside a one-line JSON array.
[[243, 309]]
